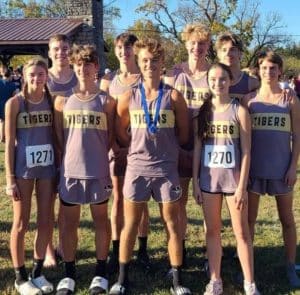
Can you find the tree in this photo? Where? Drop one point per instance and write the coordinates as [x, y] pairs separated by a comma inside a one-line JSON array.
[[241, 17]]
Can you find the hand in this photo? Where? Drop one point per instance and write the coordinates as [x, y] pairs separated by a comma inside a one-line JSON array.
[[241, 199], [290, 177], [197, 193], [13, 191]]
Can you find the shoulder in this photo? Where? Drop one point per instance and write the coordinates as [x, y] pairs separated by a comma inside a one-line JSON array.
[[253, 83], [59, 102]]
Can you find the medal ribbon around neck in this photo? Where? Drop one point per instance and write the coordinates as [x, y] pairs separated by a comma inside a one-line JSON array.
[[151, 124]]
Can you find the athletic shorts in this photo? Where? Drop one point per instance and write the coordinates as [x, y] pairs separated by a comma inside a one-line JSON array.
[[185, 163], [118, 162], [140, 188], [272, 187], [84, 191]]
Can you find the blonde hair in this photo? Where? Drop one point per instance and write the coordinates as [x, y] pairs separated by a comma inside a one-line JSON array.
[[200, 30], [152, 45]]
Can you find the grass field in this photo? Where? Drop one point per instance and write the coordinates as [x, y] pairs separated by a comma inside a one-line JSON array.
[[269, 253]]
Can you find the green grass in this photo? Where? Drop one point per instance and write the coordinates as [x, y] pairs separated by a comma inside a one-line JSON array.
[[269, 252]]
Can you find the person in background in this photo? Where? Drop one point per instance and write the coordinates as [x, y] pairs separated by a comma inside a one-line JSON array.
[[116, 83], [7, 90]]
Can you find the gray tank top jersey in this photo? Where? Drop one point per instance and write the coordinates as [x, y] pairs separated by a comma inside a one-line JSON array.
[[194, 91], [57, 88], [117, 88], [154, 157], [34, 155], [86, 138], [241, 88], [220, 153], [271, 139]]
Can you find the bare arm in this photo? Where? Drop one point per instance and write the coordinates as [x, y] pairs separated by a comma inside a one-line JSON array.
[[122, 121], [59, 127], [241, 195], [291, 174], [110, 110], [104, 83], [181, 116], [11, 113], [196, 163]]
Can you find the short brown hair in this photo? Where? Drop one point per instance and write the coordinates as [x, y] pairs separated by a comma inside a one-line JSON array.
[[152, 45], [200, 30], [84, 53], [270, 56], [126, 38], [229, 37]]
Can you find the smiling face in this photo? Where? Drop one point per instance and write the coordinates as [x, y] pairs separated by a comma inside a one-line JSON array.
[[196, 48], [218, 81], [124, 52], [150, 64], [229, 54], [269, 71], [85, 71], [35, 76], [59, 52]]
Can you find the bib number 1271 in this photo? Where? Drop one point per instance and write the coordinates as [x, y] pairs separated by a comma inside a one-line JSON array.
[[39, 155]]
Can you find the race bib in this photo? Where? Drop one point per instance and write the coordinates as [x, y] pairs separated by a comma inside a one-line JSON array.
[[219, 156], [39, 155]]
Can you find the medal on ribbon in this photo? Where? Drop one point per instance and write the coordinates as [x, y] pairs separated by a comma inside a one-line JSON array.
[[151, 123]]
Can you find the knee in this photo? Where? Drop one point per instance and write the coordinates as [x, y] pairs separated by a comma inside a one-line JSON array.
[[172, 226], [20, 227], [213, 231]]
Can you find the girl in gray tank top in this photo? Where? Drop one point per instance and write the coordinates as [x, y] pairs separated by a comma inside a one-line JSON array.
[[29, 164], [274, 153], [221, 166]]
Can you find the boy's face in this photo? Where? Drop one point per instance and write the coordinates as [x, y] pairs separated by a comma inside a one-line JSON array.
[[197, 48], [85, 70], [124, 53], [229, 54], [59, 52]]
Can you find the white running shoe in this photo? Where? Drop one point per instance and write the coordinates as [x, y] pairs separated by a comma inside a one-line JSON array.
[[250, 289], [214, 287], [27, 288]]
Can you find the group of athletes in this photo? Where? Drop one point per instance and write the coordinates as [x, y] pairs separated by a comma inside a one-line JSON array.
[[147, 133]]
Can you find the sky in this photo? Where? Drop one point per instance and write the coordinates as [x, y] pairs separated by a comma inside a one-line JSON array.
[[289, 11]]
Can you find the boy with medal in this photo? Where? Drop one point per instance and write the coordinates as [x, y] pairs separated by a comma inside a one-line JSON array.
[[153, 110]]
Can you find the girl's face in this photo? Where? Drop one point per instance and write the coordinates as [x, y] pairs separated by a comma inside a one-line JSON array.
[[124, 53], [85, 71], [36, 77], [59, 52], [218, 81], [269, 71]]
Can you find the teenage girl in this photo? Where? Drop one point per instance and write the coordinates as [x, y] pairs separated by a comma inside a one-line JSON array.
[[29, 160], [220, 169]]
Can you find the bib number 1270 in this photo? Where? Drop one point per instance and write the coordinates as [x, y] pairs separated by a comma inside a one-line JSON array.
[[39, 155], [219, 156]]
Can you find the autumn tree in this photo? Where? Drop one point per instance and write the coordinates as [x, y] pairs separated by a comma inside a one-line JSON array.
[[241, 17]]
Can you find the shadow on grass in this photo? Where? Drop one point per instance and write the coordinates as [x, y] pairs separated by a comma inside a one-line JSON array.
[[269, 265]]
